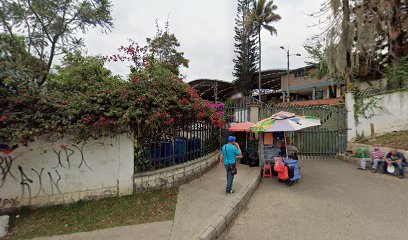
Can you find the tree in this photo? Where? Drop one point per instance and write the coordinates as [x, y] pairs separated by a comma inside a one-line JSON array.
[[50, 26], [17, 65], [164, 47], [260, 17], [316, 54], [246, 50], [363, 37]]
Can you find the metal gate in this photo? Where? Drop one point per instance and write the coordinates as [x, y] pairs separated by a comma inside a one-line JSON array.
[[328, 139]]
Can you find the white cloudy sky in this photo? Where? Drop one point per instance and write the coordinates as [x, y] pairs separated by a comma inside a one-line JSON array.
[[205, 30]]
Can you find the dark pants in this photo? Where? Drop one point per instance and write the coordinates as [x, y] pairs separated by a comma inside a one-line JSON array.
[[399, 165], [230, 179]]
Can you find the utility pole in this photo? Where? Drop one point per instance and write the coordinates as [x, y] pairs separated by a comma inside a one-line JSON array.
[[288, 72]]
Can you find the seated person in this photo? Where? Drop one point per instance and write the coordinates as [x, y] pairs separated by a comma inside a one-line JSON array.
[[377, 157], [292, 150], [397, 159]]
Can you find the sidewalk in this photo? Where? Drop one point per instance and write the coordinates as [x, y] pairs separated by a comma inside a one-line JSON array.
[[202, 200], [201, 204]]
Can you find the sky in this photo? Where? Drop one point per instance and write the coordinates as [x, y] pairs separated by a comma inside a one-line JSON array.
[[205, 30]]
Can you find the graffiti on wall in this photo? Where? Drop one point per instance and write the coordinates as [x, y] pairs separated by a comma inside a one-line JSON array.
[[41, 181]]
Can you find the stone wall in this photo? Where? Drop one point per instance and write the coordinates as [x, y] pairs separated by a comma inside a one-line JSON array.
[[44, 173], [390, 114], [175, 175]]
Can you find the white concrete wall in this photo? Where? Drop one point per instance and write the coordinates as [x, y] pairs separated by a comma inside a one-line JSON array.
[[50, 173], [391, 114]]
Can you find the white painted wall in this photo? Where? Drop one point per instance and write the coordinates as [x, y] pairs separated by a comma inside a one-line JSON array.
[[49, 173], [391, 115]]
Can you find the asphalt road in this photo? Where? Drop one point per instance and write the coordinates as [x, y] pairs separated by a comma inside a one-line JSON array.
[[332, 201]]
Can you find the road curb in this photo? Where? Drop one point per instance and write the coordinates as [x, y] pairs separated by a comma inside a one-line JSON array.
[[225, 217]]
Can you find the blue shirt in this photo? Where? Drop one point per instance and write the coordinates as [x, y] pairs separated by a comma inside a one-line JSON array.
[[230, 153]]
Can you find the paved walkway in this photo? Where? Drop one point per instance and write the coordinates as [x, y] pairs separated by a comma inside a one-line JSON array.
[[201, 200], [198, 203], [332, 201]]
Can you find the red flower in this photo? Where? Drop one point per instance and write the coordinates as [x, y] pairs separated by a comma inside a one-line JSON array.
[[101, 119], [185, 101], [8, 151], [5, 117]]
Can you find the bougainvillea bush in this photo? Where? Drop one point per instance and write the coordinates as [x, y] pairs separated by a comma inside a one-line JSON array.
[[84, 100]]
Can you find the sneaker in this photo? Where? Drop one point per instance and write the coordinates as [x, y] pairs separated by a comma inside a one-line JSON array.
[[401, 176], [359, 168], [231, 191]]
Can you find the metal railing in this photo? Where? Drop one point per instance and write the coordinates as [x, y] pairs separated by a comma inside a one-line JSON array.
[[391, 87], [176, 145]]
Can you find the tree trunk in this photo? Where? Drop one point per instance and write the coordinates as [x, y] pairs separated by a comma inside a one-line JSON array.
[[259, 71], [395, 34], [346, 39], [49, 64]]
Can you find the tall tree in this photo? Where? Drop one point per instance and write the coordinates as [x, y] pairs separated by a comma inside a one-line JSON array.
[[164, 46], [246, 50], [363, 36], [261, 16], [50, 25], [346, 39]]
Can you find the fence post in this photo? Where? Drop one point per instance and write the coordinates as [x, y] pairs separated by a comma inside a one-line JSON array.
[[254, 112], [351, 122]]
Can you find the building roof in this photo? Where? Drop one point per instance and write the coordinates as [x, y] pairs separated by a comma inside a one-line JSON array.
[[270, 79]]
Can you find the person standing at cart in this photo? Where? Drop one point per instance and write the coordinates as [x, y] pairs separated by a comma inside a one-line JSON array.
[[229, 153]]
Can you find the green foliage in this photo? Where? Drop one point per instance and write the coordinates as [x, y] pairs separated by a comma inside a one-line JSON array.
[[84, 100], [397, 73], [16, 64], [164, 48], [366, 107], [246, 50], [317, 58], [138, 208], [51, 25], [261, 16]]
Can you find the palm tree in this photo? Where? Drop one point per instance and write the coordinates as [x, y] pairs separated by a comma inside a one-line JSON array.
[[260, 17]]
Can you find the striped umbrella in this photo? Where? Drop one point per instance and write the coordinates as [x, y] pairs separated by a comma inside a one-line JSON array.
[[285, 122]]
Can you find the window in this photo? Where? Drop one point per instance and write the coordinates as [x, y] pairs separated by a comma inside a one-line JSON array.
[[300, 73]]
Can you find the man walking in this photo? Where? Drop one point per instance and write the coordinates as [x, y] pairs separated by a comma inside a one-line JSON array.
[[230, 151], [397, 159]]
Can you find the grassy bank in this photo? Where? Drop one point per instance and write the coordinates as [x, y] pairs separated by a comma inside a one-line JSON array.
[[150, 206], [393, 140]]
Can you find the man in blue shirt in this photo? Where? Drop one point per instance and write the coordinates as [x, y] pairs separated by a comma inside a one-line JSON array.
[[397, 159], [229, 155]]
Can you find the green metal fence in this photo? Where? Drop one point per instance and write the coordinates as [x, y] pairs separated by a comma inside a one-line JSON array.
[[328, 139]]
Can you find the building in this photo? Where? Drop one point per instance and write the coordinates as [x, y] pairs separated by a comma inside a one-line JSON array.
[[214, 89], [303, 85]]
